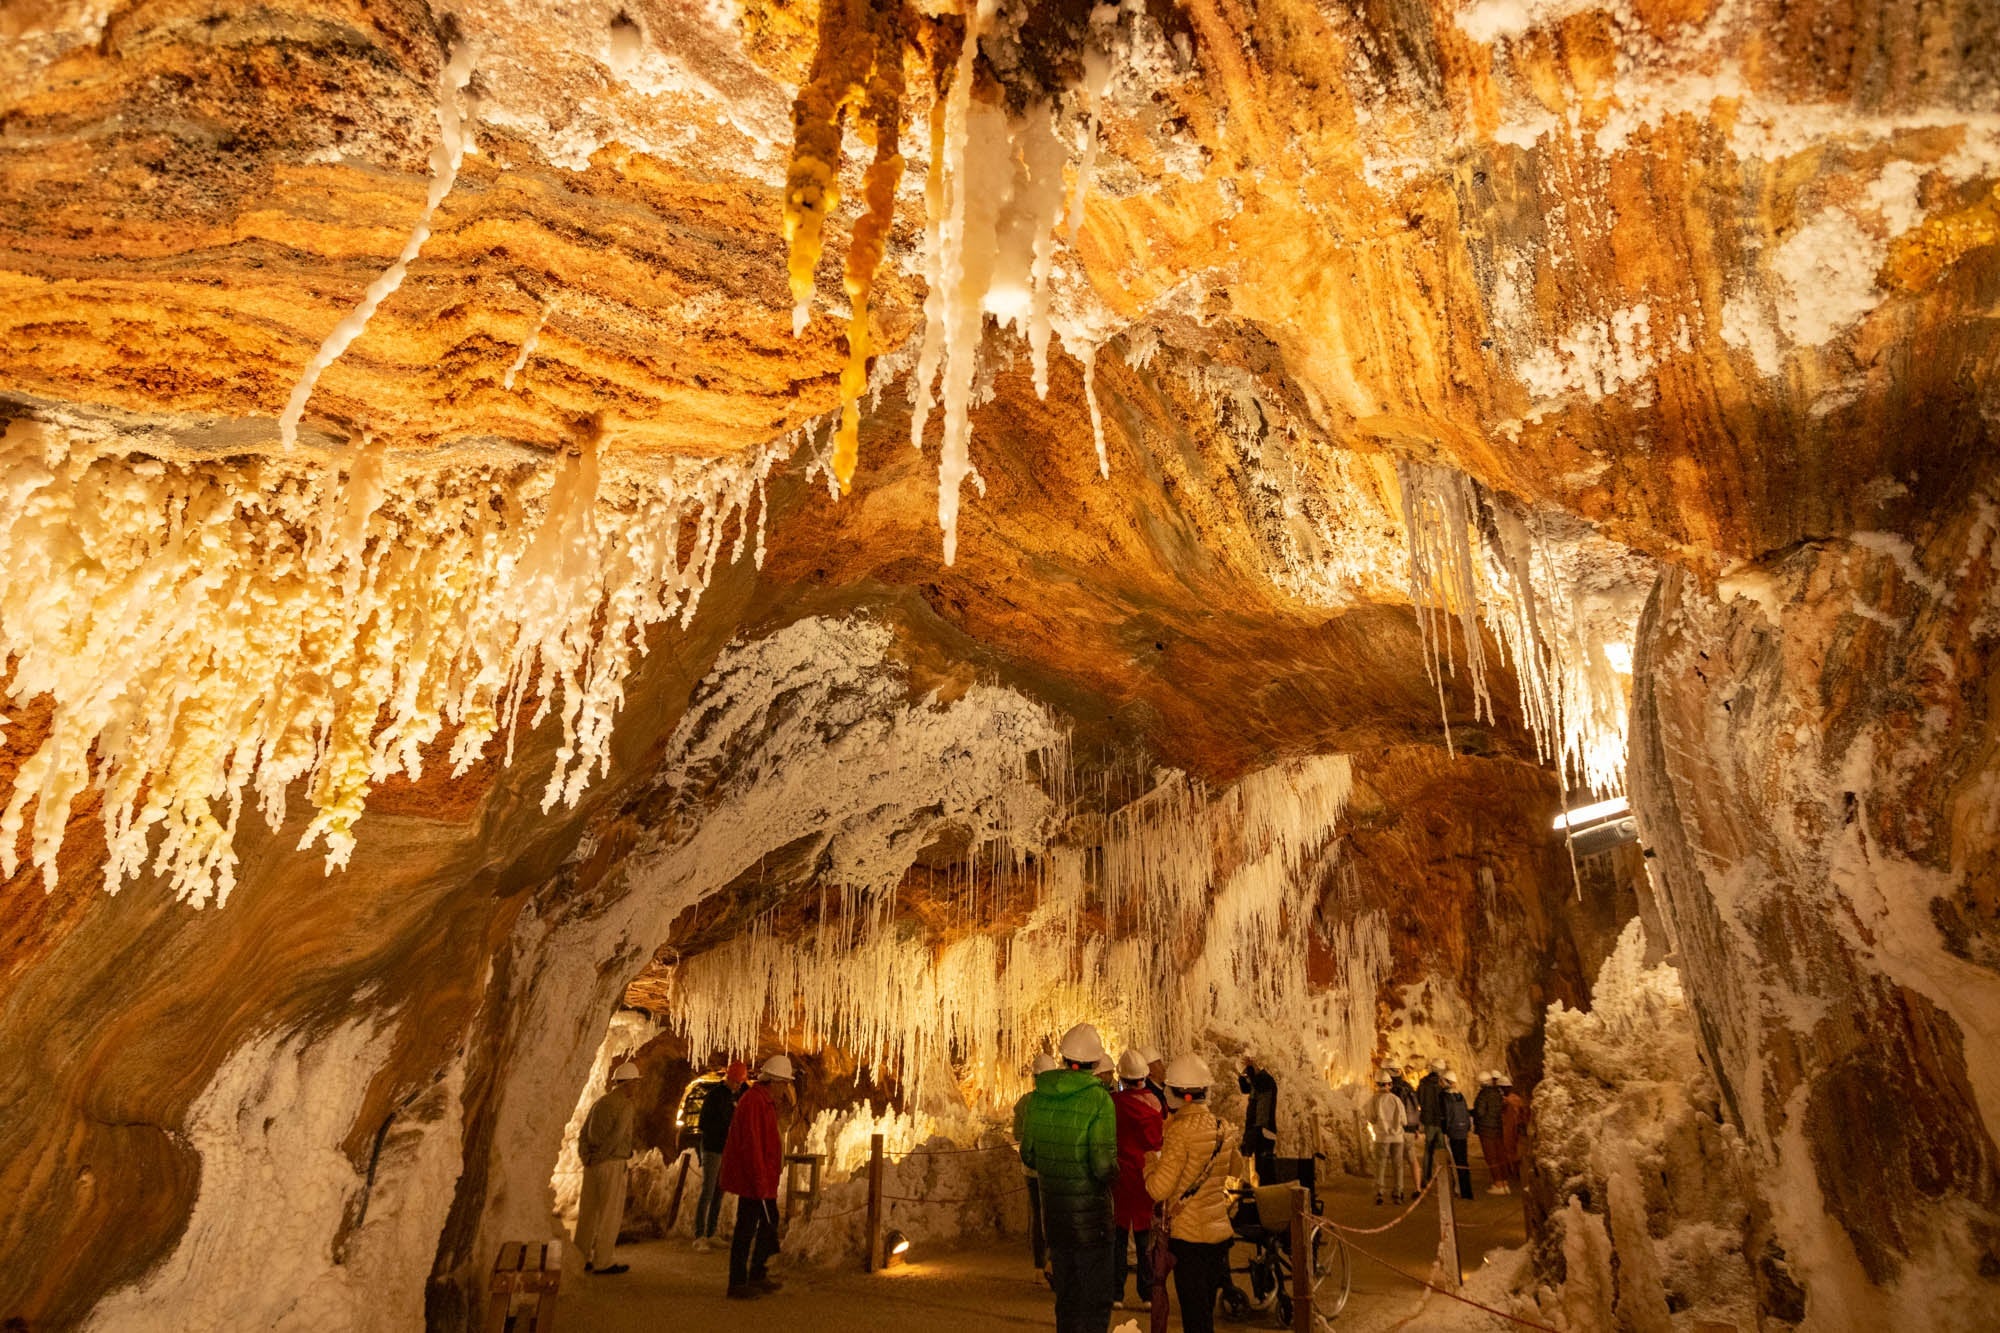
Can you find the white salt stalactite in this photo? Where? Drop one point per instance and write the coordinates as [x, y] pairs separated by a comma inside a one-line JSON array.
[[445, 160], [528, 345]]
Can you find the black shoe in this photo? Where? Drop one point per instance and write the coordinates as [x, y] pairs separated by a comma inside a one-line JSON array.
[[610, 1270], [743, 1293], [766, 1286], [1378, 1198]]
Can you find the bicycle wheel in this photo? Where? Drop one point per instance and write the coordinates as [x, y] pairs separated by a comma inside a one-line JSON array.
[[1332, 1276]]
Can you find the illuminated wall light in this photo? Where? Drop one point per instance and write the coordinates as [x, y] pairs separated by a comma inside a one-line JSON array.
[[1590, 814]]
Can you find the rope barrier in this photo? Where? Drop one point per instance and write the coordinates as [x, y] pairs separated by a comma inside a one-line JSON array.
[[972, 1198], [953, 1152], [1400, 1217], [1442, 1291]]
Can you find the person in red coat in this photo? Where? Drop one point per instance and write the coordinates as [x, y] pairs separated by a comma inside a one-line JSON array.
[[752, 1159], [1140, 1127]]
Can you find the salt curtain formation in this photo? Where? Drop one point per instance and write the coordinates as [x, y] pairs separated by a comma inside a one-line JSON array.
[[218, 630], [1562, 603]]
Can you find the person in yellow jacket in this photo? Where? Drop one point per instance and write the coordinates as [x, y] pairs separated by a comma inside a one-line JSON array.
[[1190, 1178]]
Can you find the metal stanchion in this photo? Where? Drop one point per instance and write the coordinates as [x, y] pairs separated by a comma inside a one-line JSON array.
[[1302, 1274]]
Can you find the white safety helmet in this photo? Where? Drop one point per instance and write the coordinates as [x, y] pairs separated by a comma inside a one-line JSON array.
[[1450, 1079], [1105, 1065], [1081, 1045], [1382, 1079], [1190, 1073], [626, 1072], [1152, 1055], [1505, 1081], [1045, 1062], [1486, 1076], [1437, 1065], [1132, 1065], [777, 1069]]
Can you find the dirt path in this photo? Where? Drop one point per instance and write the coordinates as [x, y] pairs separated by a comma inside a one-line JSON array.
[[994, 1286]]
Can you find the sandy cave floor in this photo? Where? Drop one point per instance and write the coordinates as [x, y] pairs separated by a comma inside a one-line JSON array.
[[994, 1285]]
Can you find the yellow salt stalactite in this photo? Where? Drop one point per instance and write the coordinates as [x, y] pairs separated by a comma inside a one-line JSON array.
[[882, 121], [840, 69]]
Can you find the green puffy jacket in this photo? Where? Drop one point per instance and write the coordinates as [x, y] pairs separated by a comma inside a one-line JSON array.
[[1069, 1138]]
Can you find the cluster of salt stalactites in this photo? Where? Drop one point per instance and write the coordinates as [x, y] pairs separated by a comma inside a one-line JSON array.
[[994, 200], [1191, 917], [207, 631], [1562, 602]]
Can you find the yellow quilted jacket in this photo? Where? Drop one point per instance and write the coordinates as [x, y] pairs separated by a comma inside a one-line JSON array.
[[1184, 1154]]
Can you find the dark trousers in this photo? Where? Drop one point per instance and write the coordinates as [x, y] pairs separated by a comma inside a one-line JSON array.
[[1143, 1243], [1433, 1141], [708, 1208], [1083, 1287], [754, 1241], [1458, 1155], [1037, 1242], [1267, 1167], [1199, 1271]]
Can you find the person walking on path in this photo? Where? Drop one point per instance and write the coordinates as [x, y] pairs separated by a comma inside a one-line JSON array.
[[605, 1145], [712, 1123], [1190, 1178], [1260, 1119], [1457, 1131], [1430, 1114], [1140, 1126], [751, 1162], [1069, 1138], [1387, 1117], [1488, 1110], [1038, 1243], [1513, 1123]]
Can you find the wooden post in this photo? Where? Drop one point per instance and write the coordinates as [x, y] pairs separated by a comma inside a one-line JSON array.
[[1302, 1274], [680, 1184], [1448, 1227], [874, 1202]]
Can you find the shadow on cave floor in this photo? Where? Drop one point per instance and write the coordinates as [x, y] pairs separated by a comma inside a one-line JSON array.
[[993, 1285]]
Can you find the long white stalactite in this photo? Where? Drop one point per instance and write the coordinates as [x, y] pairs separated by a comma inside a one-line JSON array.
[[453, 141]]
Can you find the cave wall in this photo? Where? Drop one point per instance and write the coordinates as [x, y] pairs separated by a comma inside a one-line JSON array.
[[1814, 762]]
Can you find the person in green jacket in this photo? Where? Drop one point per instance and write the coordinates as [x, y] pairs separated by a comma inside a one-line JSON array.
[[1069, 1139]]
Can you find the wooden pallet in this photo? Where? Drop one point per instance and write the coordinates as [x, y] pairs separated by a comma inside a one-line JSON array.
[[523, 1291]]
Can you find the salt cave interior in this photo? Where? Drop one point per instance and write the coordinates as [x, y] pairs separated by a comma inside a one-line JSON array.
[[536, 535]]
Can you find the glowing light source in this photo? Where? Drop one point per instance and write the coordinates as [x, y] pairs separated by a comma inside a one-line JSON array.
[[894, 1246], [1590, 814]]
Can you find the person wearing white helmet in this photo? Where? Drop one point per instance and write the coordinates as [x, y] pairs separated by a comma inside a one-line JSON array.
[[1260, 1117], [1069, 1138], [1487, 1112], [751, 1163], [1386, 1115], [1430, 1114], [1457, 1130], [1190, 1179], [605, 1145], [1037, 1242], [1140, 1123], [1156, 1076]]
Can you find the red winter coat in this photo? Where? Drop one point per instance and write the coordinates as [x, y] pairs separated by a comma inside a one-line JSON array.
[[754, 1155], [1140, 1126]]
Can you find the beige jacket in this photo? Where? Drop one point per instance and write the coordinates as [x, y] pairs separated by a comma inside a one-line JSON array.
[[1185, 1154]]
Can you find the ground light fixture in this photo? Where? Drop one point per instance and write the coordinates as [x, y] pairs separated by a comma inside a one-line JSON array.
[[895, 1245]]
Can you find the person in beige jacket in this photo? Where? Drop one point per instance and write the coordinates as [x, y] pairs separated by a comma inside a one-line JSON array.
[[1190, 1177], [605, 1145]]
